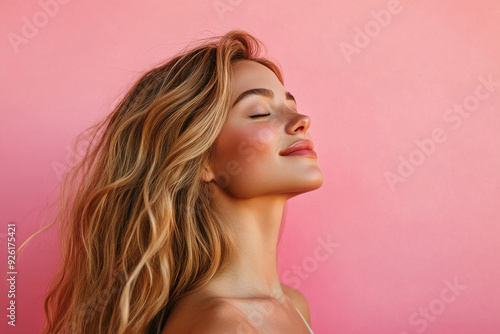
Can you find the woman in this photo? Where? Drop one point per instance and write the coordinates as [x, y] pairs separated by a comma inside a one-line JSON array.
[[172, 218]]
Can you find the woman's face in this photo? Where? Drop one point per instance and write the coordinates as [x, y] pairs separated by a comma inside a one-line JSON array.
[[259, 128]]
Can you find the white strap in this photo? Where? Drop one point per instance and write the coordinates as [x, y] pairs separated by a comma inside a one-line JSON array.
[[309, 328]]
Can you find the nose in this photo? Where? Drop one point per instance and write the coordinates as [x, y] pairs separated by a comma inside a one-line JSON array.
[[298, 123]]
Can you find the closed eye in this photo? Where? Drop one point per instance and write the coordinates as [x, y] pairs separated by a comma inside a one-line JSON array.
[[261, 115]]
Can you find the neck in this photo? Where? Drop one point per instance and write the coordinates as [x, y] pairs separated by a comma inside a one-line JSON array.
[[255, 224]]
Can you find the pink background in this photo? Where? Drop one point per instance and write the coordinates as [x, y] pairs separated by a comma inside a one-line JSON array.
[[395, 247]]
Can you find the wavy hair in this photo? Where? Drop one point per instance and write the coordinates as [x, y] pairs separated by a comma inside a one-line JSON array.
[[139, 229]]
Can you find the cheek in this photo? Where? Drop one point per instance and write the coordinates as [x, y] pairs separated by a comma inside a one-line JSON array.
[[244, 151]]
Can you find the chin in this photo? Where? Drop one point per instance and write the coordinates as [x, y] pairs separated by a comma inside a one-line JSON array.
[[305, 185], [314, 179]]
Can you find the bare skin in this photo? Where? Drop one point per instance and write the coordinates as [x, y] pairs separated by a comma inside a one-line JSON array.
[[252, 183]]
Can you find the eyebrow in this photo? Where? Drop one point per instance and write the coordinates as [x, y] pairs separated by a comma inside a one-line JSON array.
[[263, 92]]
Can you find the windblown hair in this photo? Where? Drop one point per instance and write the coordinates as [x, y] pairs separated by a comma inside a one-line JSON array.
[[138, 225]]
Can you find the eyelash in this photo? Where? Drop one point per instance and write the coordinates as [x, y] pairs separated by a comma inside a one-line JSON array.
[[262, 115]]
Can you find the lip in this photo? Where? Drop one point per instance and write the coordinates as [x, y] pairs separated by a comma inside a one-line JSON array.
[[300, 148]]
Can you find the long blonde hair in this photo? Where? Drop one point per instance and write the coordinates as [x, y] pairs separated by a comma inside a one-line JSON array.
[[138, 226]]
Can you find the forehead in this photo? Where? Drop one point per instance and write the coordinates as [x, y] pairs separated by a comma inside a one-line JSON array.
[[249, 74]]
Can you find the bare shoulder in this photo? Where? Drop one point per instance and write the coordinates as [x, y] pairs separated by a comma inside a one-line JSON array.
[[298, 299], [214, 316], [222, 317]]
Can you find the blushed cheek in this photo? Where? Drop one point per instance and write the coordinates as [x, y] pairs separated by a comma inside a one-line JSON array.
[[243, 152], [255, 143]]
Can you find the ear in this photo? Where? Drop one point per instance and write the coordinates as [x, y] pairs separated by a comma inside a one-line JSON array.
[[207, 174]]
